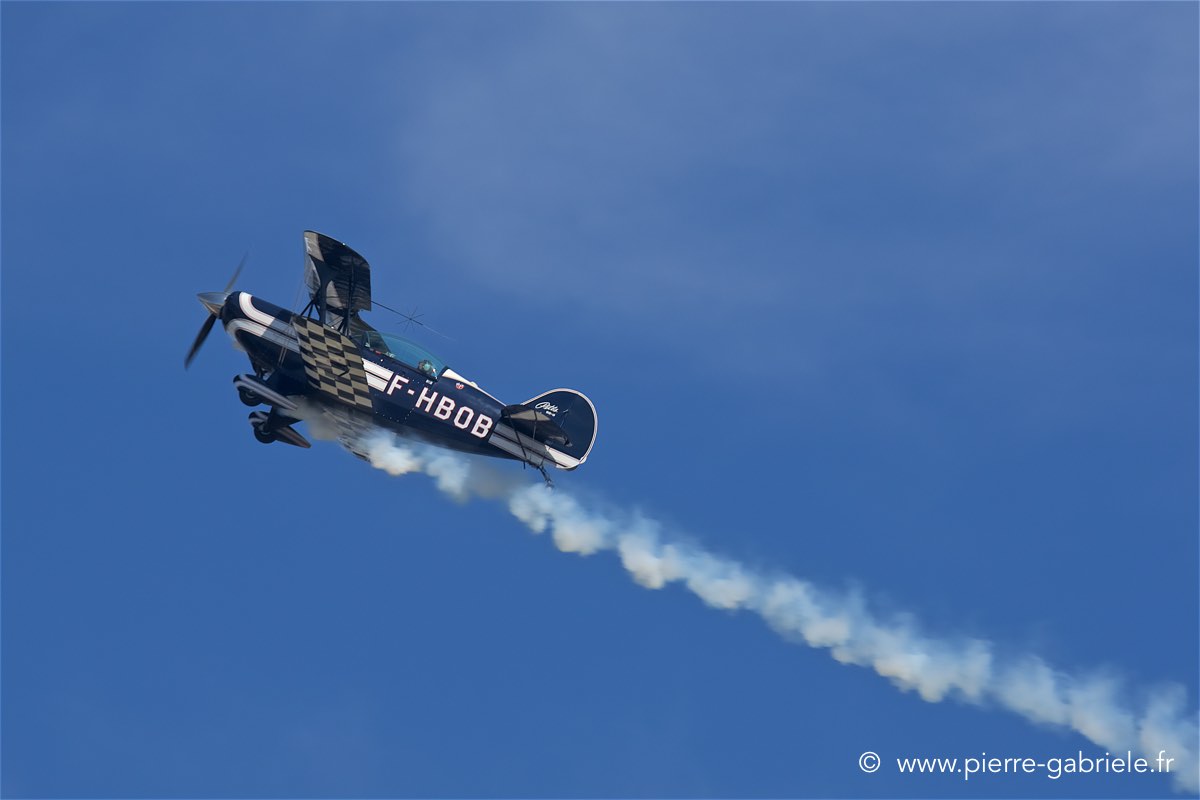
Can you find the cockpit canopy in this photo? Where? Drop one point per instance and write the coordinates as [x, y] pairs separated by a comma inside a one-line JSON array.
[[402, 349]]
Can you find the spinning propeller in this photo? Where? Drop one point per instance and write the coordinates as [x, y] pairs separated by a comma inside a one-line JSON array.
[[213, 302]]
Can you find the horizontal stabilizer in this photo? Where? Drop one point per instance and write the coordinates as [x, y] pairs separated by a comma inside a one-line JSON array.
[[563, 420], [536, 424]]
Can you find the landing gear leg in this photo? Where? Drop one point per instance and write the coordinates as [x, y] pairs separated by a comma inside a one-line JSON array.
[[545, 477], [258, 423]]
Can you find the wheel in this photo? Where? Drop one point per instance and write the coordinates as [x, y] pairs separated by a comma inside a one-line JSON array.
[[248, 397], [263, 436]]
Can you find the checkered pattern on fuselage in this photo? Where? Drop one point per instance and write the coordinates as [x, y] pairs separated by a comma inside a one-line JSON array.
[[332, 363]]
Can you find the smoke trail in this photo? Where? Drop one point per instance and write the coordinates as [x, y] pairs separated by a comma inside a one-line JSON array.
[[801, 612]]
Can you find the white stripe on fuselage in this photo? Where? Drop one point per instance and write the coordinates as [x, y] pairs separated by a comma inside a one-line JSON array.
[[379, 371], [262, 325], [261, 332], [245, 301]]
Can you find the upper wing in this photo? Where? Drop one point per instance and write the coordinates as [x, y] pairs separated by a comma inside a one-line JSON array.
[[337, 277]]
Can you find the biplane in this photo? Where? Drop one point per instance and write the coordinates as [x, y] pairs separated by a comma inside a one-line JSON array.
[[326, 362]]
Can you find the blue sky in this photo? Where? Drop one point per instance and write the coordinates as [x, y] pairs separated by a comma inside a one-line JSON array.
[[895, 299]]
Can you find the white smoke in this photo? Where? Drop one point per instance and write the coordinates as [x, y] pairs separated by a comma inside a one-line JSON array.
[[968, 670]]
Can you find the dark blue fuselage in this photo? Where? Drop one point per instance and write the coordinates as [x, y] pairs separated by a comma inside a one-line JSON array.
[[440, 407]]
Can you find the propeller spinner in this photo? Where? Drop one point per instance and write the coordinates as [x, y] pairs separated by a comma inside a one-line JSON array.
[[213, 301]]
